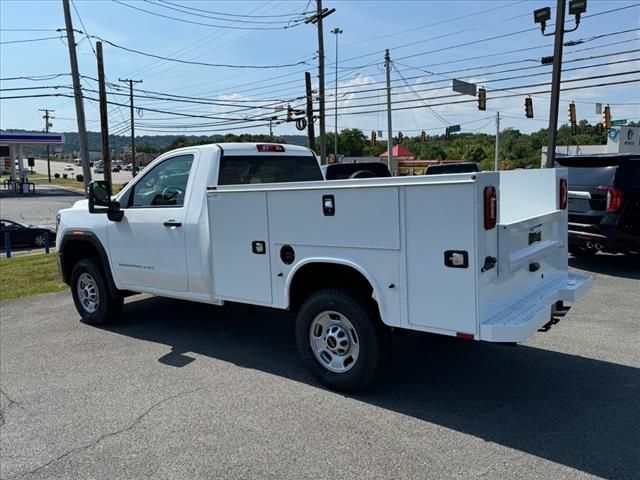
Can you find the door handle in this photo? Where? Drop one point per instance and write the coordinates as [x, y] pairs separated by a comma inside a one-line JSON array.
[[172, 223]]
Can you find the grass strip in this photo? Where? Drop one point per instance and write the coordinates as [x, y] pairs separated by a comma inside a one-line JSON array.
[[26, 275]]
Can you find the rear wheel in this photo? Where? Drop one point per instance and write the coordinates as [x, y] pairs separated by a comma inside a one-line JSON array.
[[340, 343], [91, 295]]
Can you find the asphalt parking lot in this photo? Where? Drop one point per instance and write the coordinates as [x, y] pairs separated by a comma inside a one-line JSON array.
[[180, 390], [39, 209]]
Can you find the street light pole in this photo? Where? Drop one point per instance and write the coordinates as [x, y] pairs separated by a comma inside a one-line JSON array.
[[337, 32], [541, 16]]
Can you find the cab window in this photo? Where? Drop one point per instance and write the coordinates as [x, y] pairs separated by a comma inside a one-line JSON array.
[[164, 185]]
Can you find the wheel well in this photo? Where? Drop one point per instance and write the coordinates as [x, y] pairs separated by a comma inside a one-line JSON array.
[[317, 276], [74, 251]]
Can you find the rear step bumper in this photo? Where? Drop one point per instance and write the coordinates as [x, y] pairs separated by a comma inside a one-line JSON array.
[[523, 319]]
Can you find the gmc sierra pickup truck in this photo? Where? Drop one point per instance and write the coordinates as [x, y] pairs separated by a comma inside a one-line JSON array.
[[478, 255]]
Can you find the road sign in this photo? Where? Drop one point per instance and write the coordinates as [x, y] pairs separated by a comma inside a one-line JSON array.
[[454, 128], [618, 122], [463, 87]]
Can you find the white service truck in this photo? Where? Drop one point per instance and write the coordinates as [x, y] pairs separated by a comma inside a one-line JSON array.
[[479, 256]]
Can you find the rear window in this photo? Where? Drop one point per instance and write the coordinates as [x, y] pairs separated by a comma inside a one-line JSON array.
[[240, 170], [590, 171]]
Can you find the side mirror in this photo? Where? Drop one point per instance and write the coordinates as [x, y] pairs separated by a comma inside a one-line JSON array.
[[99, 196], [100, 201]]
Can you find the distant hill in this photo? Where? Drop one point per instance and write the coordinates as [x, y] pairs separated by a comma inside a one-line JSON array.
[[157, 143]]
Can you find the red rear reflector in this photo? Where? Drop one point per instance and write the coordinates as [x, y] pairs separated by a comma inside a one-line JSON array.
[[466, 336], [490, 208], [615, 198], [268, 147], [564, 194]]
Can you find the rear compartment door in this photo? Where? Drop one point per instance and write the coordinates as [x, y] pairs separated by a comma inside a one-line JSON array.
[[440, 223]]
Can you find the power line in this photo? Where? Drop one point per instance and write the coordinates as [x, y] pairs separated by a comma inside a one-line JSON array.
[[200, 15], [243, 15], [231, 27], [29, 30], [210, 41], [447, 78], [582, 87], [475, 41], [474, 14], [35, 78], [42, 39], [191, 62]]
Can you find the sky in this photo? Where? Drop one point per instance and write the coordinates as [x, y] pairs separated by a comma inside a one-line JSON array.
[[493, 44]]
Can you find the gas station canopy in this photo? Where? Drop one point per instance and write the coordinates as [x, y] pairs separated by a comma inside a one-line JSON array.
[[13, 142]]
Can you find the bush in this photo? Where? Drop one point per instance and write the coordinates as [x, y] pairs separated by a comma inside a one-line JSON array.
[[57, 175], [80, 177], [64, 175]]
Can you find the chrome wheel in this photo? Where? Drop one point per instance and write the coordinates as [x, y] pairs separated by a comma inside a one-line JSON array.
[[334, 341], [88, 293], [39, 240]]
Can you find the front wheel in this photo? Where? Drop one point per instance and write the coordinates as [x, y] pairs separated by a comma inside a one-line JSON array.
[[91, 295], [340, 343]]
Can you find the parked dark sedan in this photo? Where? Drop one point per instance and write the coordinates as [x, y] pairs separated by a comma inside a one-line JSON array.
[[25, 235]]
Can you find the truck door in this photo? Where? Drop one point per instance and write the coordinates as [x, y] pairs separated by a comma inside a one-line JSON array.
[[147, 248]]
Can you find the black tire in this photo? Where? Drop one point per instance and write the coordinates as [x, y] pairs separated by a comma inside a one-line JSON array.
[[95, 305], [368, 332], [582, 252]]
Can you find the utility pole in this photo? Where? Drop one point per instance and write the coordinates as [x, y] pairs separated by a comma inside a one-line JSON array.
[[337, 32], [47, 125], [317, 19], [497, 165], [77, 94], [104, 121], [134, 164], [310, 130], [387, 64]]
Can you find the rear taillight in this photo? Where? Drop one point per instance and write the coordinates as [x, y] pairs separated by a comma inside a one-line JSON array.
[[490, 208], [269, 147], [615, 198], [564, 194]]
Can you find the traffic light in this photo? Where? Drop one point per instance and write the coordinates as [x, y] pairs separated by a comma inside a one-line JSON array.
[[289, 113], [606, 117], [574, 129], [446, 133], [374, 138], [528, 107], [400, 137], [423, 136], [572, 113], [599, 129], [482, 99]]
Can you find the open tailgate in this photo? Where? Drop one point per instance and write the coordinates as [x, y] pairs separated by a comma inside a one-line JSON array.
[[532, 260]]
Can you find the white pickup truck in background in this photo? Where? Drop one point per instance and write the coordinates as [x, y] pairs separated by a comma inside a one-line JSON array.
[[474, 255]]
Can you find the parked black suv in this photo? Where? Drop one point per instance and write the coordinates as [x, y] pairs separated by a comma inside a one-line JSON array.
[[604, 203]]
